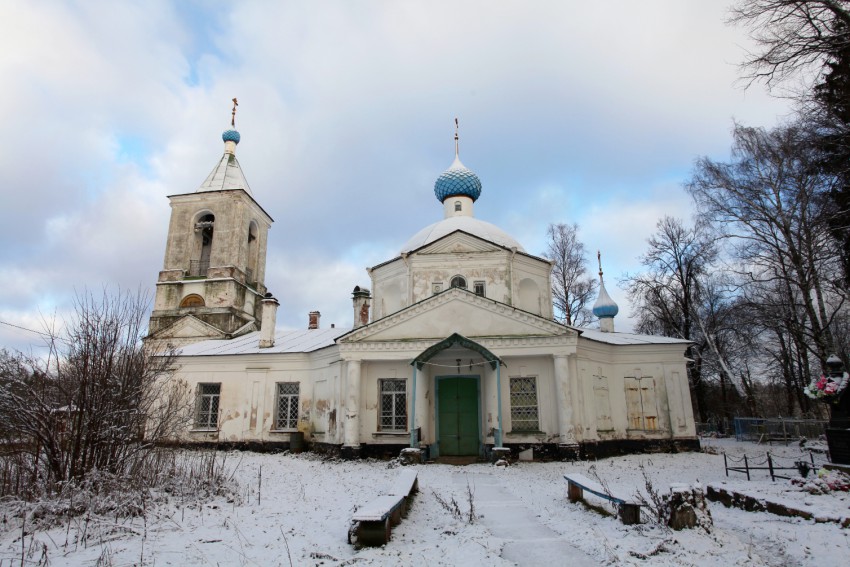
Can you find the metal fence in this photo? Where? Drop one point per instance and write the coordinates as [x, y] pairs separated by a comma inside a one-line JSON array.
[[719, 428], [749, 463], [777, 430]]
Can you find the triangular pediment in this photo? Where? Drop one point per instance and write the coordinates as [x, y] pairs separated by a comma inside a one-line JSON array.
[[457, 311], [459, 241], [189, 327]]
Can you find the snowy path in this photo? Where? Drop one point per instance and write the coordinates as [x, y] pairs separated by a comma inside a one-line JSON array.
[[527, 540]]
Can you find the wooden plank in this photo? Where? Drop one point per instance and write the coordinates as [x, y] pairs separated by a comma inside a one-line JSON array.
[[595, 488], [378, 509], [404, 484]]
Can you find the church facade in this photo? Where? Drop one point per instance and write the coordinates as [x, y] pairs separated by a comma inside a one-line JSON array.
[[453, 348]]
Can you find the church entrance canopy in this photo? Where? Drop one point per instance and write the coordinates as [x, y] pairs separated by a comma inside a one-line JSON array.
[[463, 342], [457, 340]]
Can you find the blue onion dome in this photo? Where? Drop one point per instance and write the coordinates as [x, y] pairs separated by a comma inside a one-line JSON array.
[[604, 306], [457, 181], [230, 135]]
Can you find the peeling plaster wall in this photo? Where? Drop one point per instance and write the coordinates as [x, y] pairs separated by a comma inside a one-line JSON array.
[[596, 383], [541, 367], [613, 369], [233, 211], [413, 278], [247, 402], [371, 373], [389, 288], [225, 285]]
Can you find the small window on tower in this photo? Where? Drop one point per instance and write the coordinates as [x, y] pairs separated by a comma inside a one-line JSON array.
[[457, 206], [479, 288], [459, 281]]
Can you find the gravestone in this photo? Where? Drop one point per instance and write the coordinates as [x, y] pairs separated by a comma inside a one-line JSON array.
[[838, 430]]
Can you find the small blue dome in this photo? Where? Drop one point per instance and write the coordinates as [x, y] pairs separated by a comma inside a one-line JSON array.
[[457, 180], [606, 310], [605, 306], [230, 136]]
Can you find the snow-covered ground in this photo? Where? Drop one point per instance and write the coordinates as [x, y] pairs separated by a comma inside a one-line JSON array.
[[295, 510]]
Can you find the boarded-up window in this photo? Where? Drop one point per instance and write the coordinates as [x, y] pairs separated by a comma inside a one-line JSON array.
[[640, 403], [602, 403]]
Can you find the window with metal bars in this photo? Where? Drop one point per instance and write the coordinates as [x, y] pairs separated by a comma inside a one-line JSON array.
[[393, 405], [287, 405], [206, 411], [459, 281], [479, 288], [524, 416]]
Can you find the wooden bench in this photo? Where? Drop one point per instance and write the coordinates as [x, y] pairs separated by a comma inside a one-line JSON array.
[[627, 510], [372, 523]]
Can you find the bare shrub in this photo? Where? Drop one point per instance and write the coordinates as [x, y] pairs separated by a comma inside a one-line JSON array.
[[99, 402], [470, 499], [651, 500], [452, 507]]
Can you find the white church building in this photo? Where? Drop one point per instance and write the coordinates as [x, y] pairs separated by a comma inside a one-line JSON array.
[[452, 349]]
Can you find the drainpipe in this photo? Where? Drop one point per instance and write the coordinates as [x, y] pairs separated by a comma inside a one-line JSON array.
[[413, 411], [498, 438]]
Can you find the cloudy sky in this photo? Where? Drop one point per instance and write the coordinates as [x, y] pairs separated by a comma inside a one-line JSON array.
[[587, 112]]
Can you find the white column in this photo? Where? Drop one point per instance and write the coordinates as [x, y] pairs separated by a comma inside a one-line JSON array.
[[352, 403], [563, 399], [423, 416], [579, 417]]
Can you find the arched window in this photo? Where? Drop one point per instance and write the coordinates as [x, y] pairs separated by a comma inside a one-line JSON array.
[[458, 206], [251, 268], [203, 245], [192, 300], [459, 281]]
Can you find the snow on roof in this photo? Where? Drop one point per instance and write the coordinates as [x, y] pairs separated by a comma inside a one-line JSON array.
[[302, 340], [628, 338], [471, 225]]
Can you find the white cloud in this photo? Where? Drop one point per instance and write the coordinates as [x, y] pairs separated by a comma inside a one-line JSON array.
[[569, 112]]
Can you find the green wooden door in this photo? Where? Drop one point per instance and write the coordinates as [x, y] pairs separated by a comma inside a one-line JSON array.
[[457, 400]]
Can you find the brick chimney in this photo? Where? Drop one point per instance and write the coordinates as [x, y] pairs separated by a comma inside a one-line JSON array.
[[313, 321], [269, 319], [362, 299]]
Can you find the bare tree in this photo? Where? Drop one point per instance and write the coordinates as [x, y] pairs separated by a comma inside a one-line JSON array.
[[572, 288], [810, 42], [668, 296], [100, 401], [793, 37], [767, 203]]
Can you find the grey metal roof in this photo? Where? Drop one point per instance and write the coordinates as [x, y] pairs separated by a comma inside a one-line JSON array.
[[226, 175], [628, 338], [299, 341]]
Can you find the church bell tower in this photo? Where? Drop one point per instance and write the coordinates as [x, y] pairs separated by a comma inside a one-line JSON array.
[[212, 281]]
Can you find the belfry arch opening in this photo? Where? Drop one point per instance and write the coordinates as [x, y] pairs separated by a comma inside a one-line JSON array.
[[204, 229], [253, 250]]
